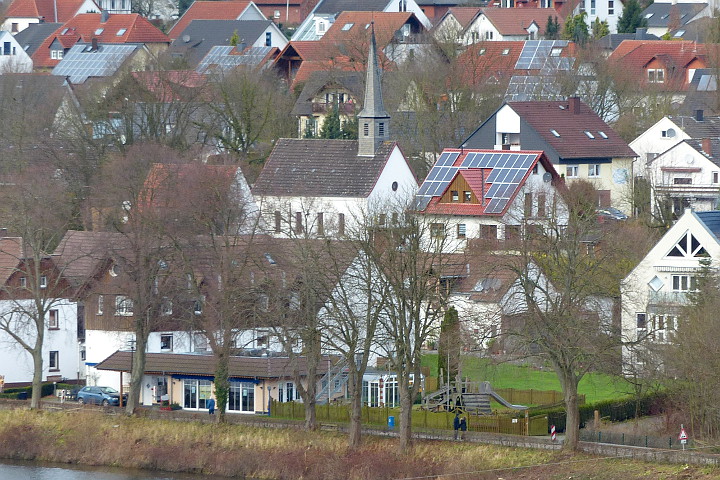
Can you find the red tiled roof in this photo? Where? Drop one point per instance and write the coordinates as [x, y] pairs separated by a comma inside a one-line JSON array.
[[66, 9], [464, 15], [484, 60], [169, 85], [515, 21], [572, 142], [23, 8], [307, 50], [477, 179], [358, 35], [86, 26], [634, 55], [208, 10]]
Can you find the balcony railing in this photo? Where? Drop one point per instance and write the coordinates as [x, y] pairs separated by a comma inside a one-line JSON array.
[[344, 108], [669, 298]]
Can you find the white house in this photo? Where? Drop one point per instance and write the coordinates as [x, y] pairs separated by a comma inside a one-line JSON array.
[[604, 10], [326, 12], [656, 290], [22, 13], [671, 130], [687, 175], [13, 58], [473, 194], [508, 24], [324, 187]]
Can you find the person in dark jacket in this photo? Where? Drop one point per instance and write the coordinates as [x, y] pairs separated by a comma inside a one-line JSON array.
[[463, 427], [211, 406]]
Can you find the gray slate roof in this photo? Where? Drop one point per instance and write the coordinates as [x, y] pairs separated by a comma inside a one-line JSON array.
[[708, 128], [326, 7], [205, 34], [661, 13], [711, 220], [31, 38], [697, 144], [320, 168], [612, 41]]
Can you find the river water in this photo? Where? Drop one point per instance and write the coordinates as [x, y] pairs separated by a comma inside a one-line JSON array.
[[11, 470]]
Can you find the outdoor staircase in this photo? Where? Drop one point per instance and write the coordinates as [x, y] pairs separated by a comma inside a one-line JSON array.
[[333, 383]]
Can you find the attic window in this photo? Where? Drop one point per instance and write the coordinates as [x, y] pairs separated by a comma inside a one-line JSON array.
[[121, 32], [589, 134], [506, 51], [99, 31], [554, 132], [603, 135], [556, 51], [347, 27]]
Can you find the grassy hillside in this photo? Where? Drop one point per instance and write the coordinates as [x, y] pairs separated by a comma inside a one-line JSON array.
[[595, 386]]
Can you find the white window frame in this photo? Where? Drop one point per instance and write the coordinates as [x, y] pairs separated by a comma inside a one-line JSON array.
[[54, 319], [43, 281], [100, 304], [54, 361], [684, 283], [166, 342], [123, 306], [594, 170], [572, 171]]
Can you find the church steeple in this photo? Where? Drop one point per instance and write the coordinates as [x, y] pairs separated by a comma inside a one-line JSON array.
[[373, 120]]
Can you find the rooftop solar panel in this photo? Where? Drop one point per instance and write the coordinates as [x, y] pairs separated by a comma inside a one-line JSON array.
[[82, 62]]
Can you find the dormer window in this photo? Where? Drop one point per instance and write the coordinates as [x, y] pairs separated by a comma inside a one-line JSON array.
[[656, 75], [56, 54]]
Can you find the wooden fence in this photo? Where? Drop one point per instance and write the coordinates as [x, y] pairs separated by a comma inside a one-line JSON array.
[[328, 413]]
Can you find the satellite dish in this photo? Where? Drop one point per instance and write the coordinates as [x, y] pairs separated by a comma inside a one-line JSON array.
[[690, 159], [547, 177], [670, 132], [186, 38]]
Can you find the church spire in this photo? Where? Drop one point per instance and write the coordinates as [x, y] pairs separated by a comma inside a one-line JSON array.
[[373, 120]]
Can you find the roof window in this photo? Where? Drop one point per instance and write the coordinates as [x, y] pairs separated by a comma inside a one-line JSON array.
[[65, 30], [679, 33], [347, 27], [589, 134], [556, 51], [603, 135], [554, 132], [506, 51], [99, 31], [648, 15], [481, 52], [121, 32]]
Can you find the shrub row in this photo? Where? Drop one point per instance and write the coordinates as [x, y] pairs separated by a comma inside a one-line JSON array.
[[47, 389], [615, 410]]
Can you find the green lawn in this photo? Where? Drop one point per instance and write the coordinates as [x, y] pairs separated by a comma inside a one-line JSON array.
[[595, 386]]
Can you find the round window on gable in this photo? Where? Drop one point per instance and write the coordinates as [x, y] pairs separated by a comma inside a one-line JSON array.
[[394, 186], [115, 270]]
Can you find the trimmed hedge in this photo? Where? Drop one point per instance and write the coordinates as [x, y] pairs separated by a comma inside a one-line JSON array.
[[615, 410], [47, 389]]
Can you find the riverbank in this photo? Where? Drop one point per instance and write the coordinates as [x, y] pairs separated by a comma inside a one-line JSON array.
[[91, 438]]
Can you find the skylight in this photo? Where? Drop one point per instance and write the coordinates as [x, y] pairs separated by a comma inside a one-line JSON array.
[[121, 32], [589, 134], [347, 27], [556, 51], [649, 15], [64, 31], [367, 25], [603, 135], [554, 132], [679, 33], [482, 51], [99, 31], [665, 16], [506, 51]]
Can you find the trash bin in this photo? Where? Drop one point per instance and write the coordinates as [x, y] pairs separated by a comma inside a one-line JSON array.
[[22, 396], [391, 422]]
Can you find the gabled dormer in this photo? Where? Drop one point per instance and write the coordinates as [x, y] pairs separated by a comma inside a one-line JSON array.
[[467, 188]]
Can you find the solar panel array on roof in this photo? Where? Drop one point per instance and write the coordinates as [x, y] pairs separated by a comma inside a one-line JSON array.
[[81, 62], [219, 57], [508, 170], [523, 88], [536, 54]]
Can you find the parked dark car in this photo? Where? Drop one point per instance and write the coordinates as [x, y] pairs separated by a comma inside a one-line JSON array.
[[609, 214], [100, 395]]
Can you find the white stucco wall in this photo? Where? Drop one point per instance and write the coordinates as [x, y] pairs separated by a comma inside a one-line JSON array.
[[652, 142], [16, 363]]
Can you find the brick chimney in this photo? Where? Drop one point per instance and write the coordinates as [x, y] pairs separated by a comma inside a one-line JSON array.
[[574, 105], [94, 44], [707, 146]]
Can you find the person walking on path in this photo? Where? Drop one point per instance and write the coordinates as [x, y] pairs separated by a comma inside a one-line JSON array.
[[456, 424], [463, 427], [211, 406]]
